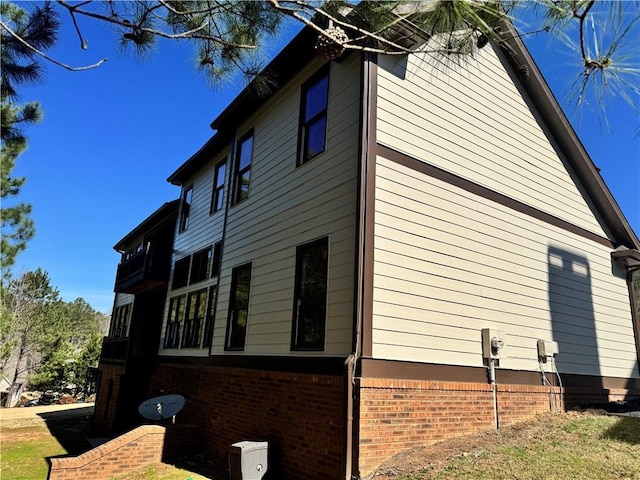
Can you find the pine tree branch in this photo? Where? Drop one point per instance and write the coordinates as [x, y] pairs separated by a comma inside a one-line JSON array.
[[45, 56], [190, 34], [581, 18], [293, 12]]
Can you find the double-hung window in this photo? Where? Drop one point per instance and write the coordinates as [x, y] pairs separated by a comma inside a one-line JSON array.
[[238, 307], [185, 208], [217, 197], [244, 152], [310, 296], [313, 116]]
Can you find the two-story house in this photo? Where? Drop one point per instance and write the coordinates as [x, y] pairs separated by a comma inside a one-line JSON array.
[[387, 251]]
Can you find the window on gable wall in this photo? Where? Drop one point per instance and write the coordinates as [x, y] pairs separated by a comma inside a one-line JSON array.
[[310, 296], [244, 152], [217, 196], [185, 208], [238, 307], [313, 116]]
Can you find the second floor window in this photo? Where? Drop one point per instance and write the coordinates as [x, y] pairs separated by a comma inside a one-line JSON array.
[[185, 208], [181, 273], [313, 116], [217, 197], [244, 152], [201, 265]]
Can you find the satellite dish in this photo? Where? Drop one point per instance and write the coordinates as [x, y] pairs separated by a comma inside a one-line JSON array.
[[162, 407]]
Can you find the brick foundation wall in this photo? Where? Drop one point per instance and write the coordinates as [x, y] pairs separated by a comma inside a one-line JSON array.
[[399, 414], [300, 415], [580, 397]]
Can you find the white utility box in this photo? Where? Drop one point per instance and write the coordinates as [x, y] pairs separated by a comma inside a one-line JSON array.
[[248, 460]]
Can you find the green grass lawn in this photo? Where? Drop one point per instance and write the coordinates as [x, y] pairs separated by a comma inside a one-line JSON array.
[[24, 451]]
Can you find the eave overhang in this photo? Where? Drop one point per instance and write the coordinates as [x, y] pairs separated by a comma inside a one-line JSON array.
[[157, 219], [629, 258]]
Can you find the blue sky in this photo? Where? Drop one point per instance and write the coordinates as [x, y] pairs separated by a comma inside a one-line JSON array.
[[97, 164]]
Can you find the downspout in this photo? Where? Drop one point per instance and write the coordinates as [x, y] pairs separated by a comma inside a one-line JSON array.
[[351, 361], [227, 206], [349, 366]]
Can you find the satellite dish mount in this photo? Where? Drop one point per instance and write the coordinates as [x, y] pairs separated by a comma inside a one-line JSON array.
[[162, 407]]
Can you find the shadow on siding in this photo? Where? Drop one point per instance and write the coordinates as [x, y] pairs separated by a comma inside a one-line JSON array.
[[572, 316]]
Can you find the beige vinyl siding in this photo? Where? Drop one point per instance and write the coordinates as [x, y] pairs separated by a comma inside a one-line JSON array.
[[472, 120], [204, 230], [449, 263], [289, 206]]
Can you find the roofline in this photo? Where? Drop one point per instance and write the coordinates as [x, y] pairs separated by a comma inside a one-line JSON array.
[[295, 55], [156, 218], [569, 143], [291, 59], [299, 51], [193, 163]]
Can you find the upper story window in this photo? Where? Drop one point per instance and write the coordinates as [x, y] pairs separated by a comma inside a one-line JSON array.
[[310, 296], [201, 265], [244, 152], [185, 208], [181, 273], [238, 307], [194, 268], [217, 259], [217, 197], [313, 116]]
